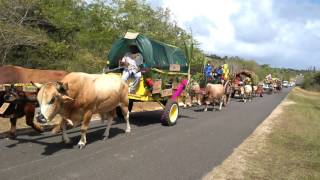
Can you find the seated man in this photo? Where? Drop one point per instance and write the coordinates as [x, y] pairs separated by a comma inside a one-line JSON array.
[[132, 61], [219, 73], [208, 72], [248, 81], [237, 80]]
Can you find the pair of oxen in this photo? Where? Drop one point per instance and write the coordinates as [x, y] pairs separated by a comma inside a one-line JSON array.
[[72, 97], [220, 94], [211, 94]]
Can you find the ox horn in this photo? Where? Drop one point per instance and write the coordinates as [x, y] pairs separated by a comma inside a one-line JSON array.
[[62, 87], [37, 85]]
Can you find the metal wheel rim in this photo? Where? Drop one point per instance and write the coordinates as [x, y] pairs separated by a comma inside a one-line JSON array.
[[174, 112]]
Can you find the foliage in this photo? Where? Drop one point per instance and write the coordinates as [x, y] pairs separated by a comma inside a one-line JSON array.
[[69, 34], [237, 64], [188, 48], [76, 35], [311, 81]]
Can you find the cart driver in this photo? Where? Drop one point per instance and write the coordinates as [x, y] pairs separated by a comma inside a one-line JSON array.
[[132, 61], [208, 71], [219, 73], [247, 81]]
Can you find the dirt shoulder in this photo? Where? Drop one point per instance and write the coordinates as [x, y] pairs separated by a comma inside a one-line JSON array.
[[265, 153]]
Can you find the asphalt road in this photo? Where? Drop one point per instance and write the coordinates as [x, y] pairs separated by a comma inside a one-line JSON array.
[[188, 150]]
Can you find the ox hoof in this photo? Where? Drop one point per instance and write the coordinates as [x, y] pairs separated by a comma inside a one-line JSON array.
[[105, 138], [12, 135], [81, 146], [128, 131]]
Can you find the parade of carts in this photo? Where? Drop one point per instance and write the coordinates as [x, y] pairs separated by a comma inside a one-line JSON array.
[[138, 69]]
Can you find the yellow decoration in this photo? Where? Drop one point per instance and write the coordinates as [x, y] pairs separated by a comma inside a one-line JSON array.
[[225, 72]]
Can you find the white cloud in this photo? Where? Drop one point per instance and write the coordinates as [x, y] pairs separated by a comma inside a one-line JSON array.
[[281, 33]]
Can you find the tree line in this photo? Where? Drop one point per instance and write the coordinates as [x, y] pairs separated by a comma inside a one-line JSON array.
[[75, 35]]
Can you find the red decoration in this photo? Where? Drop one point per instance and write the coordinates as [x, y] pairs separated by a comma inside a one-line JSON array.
[[149, 82]]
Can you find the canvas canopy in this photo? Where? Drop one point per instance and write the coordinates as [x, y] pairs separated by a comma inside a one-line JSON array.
[[247, 73], [155, 54], [250, 74]]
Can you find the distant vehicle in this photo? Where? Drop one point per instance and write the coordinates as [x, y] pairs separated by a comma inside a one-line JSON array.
[[292, 84], [285, 84], [265, 86]]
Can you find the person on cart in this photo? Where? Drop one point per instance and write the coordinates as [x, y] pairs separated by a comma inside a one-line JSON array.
[[219, 74], [247, 81], [132, 61], [238, 80], [208, 72]]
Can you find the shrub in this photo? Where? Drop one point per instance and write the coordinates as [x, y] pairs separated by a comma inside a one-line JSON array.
[[311, 81]]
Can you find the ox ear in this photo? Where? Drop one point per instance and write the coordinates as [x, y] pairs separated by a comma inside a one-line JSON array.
[[62, 87], [67, 99], [37, 85]]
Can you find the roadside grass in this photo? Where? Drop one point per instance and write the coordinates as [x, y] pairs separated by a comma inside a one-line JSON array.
[[292, 149]]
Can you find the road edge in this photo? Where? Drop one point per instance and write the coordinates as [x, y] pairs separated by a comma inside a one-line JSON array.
[[235, 164]]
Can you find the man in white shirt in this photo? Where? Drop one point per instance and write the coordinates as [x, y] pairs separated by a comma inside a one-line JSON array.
[[132, 61]]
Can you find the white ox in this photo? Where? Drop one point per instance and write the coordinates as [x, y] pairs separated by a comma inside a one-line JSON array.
[[80, 95], [246, 93]]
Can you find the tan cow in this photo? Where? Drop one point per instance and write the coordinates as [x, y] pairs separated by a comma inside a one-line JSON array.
[[214, 93], [80, 95]]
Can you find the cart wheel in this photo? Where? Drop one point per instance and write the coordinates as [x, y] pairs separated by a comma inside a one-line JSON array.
[[170, 114]]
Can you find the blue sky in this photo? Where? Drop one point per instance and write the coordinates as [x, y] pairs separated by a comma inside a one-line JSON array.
[[282, 33]]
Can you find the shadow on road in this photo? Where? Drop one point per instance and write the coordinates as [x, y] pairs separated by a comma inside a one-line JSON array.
[[93, 135], [53, 142], [95, 132]]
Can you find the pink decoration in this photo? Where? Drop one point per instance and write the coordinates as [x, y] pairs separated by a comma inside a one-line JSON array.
[[180, 88]]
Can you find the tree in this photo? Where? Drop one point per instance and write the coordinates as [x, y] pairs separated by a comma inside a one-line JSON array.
[[15, 29]]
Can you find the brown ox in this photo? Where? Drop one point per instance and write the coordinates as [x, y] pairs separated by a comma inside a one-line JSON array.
[[194, 92], [214, 93], [80, 95], [15, 74], [258, 90]]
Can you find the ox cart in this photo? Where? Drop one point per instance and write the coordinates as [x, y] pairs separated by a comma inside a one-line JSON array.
[[273, 85], [243, 78], [164, 73]]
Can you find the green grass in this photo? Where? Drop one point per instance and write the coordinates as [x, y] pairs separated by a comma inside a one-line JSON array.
[[293, 148]]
